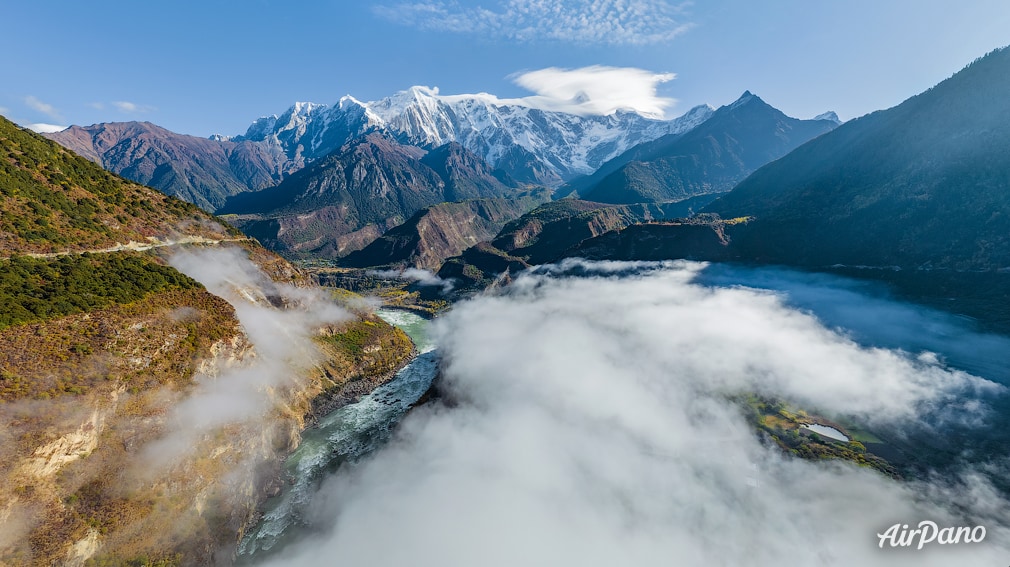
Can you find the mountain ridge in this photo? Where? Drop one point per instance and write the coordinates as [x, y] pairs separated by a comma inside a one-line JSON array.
[[341, 203], [713, 157], [920, 185], [438, 232], [198, 170], [564, 144]]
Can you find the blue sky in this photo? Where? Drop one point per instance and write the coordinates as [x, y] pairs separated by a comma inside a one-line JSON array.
[[213, 66]]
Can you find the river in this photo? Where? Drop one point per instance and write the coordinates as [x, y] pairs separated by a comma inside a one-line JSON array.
[[343, 436]]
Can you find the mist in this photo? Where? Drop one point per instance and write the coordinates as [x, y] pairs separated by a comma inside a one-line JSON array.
[[867, 313], [278, 320], [421, 277], [591, 423]]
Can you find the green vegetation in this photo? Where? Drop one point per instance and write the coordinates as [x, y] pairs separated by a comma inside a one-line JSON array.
[[355, 338], [348, 284], [141, 345], [34, 289], [783, 425], [53, 200], [371, 348]]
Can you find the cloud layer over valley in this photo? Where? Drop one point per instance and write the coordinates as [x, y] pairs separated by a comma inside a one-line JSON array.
[[593, 424]]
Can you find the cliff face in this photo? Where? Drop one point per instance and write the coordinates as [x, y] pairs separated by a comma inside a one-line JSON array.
[[660, 241], [563, 228], [84, 394], [545, 233]]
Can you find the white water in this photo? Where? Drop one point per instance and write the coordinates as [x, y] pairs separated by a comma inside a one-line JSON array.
[[826, 431], [343, 436]]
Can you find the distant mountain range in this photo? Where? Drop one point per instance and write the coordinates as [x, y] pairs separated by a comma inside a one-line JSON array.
[[711, 158], [530, 145], [917, 195]]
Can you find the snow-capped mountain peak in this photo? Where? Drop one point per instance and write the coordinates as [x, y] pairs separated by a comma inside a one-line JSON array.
[[508, 134], [746, 97], [829, 115]]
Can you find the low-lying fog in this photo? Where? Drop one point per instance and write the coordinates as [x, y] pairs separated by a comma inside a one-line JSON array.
[[593, 427]]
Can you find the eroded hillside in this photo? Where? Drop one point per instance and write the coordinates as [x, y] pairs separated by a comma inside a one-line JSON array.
[[146, 397]]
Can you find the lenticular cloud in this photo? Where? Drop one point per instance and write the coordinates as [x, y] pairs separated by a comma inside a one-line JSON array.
[[591, 425]]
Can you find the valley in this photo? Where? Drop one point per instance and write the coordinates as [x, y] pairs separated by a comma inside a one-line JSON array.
[[588, 325]]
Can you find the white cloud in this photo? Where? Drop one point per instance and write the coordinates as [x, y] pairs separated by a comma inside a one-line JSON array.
[[97, 105], [4, 110], [421, 277], [44, 128], [591, 426], [596, 90], [44, 108], [611, 22], [131, 107]]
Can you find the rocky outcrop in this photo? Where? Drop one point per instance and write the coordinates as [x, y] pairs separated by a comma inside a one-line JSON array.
[[545, 233], [480, 267], [442, 231], [559, 229]]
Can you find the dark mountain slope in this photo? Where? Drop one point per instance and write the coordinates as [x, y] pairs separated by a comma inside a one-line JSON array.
[[440, 231], [466, 175], [923, 184], [547, 232], [711, 158], [344, 201]]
